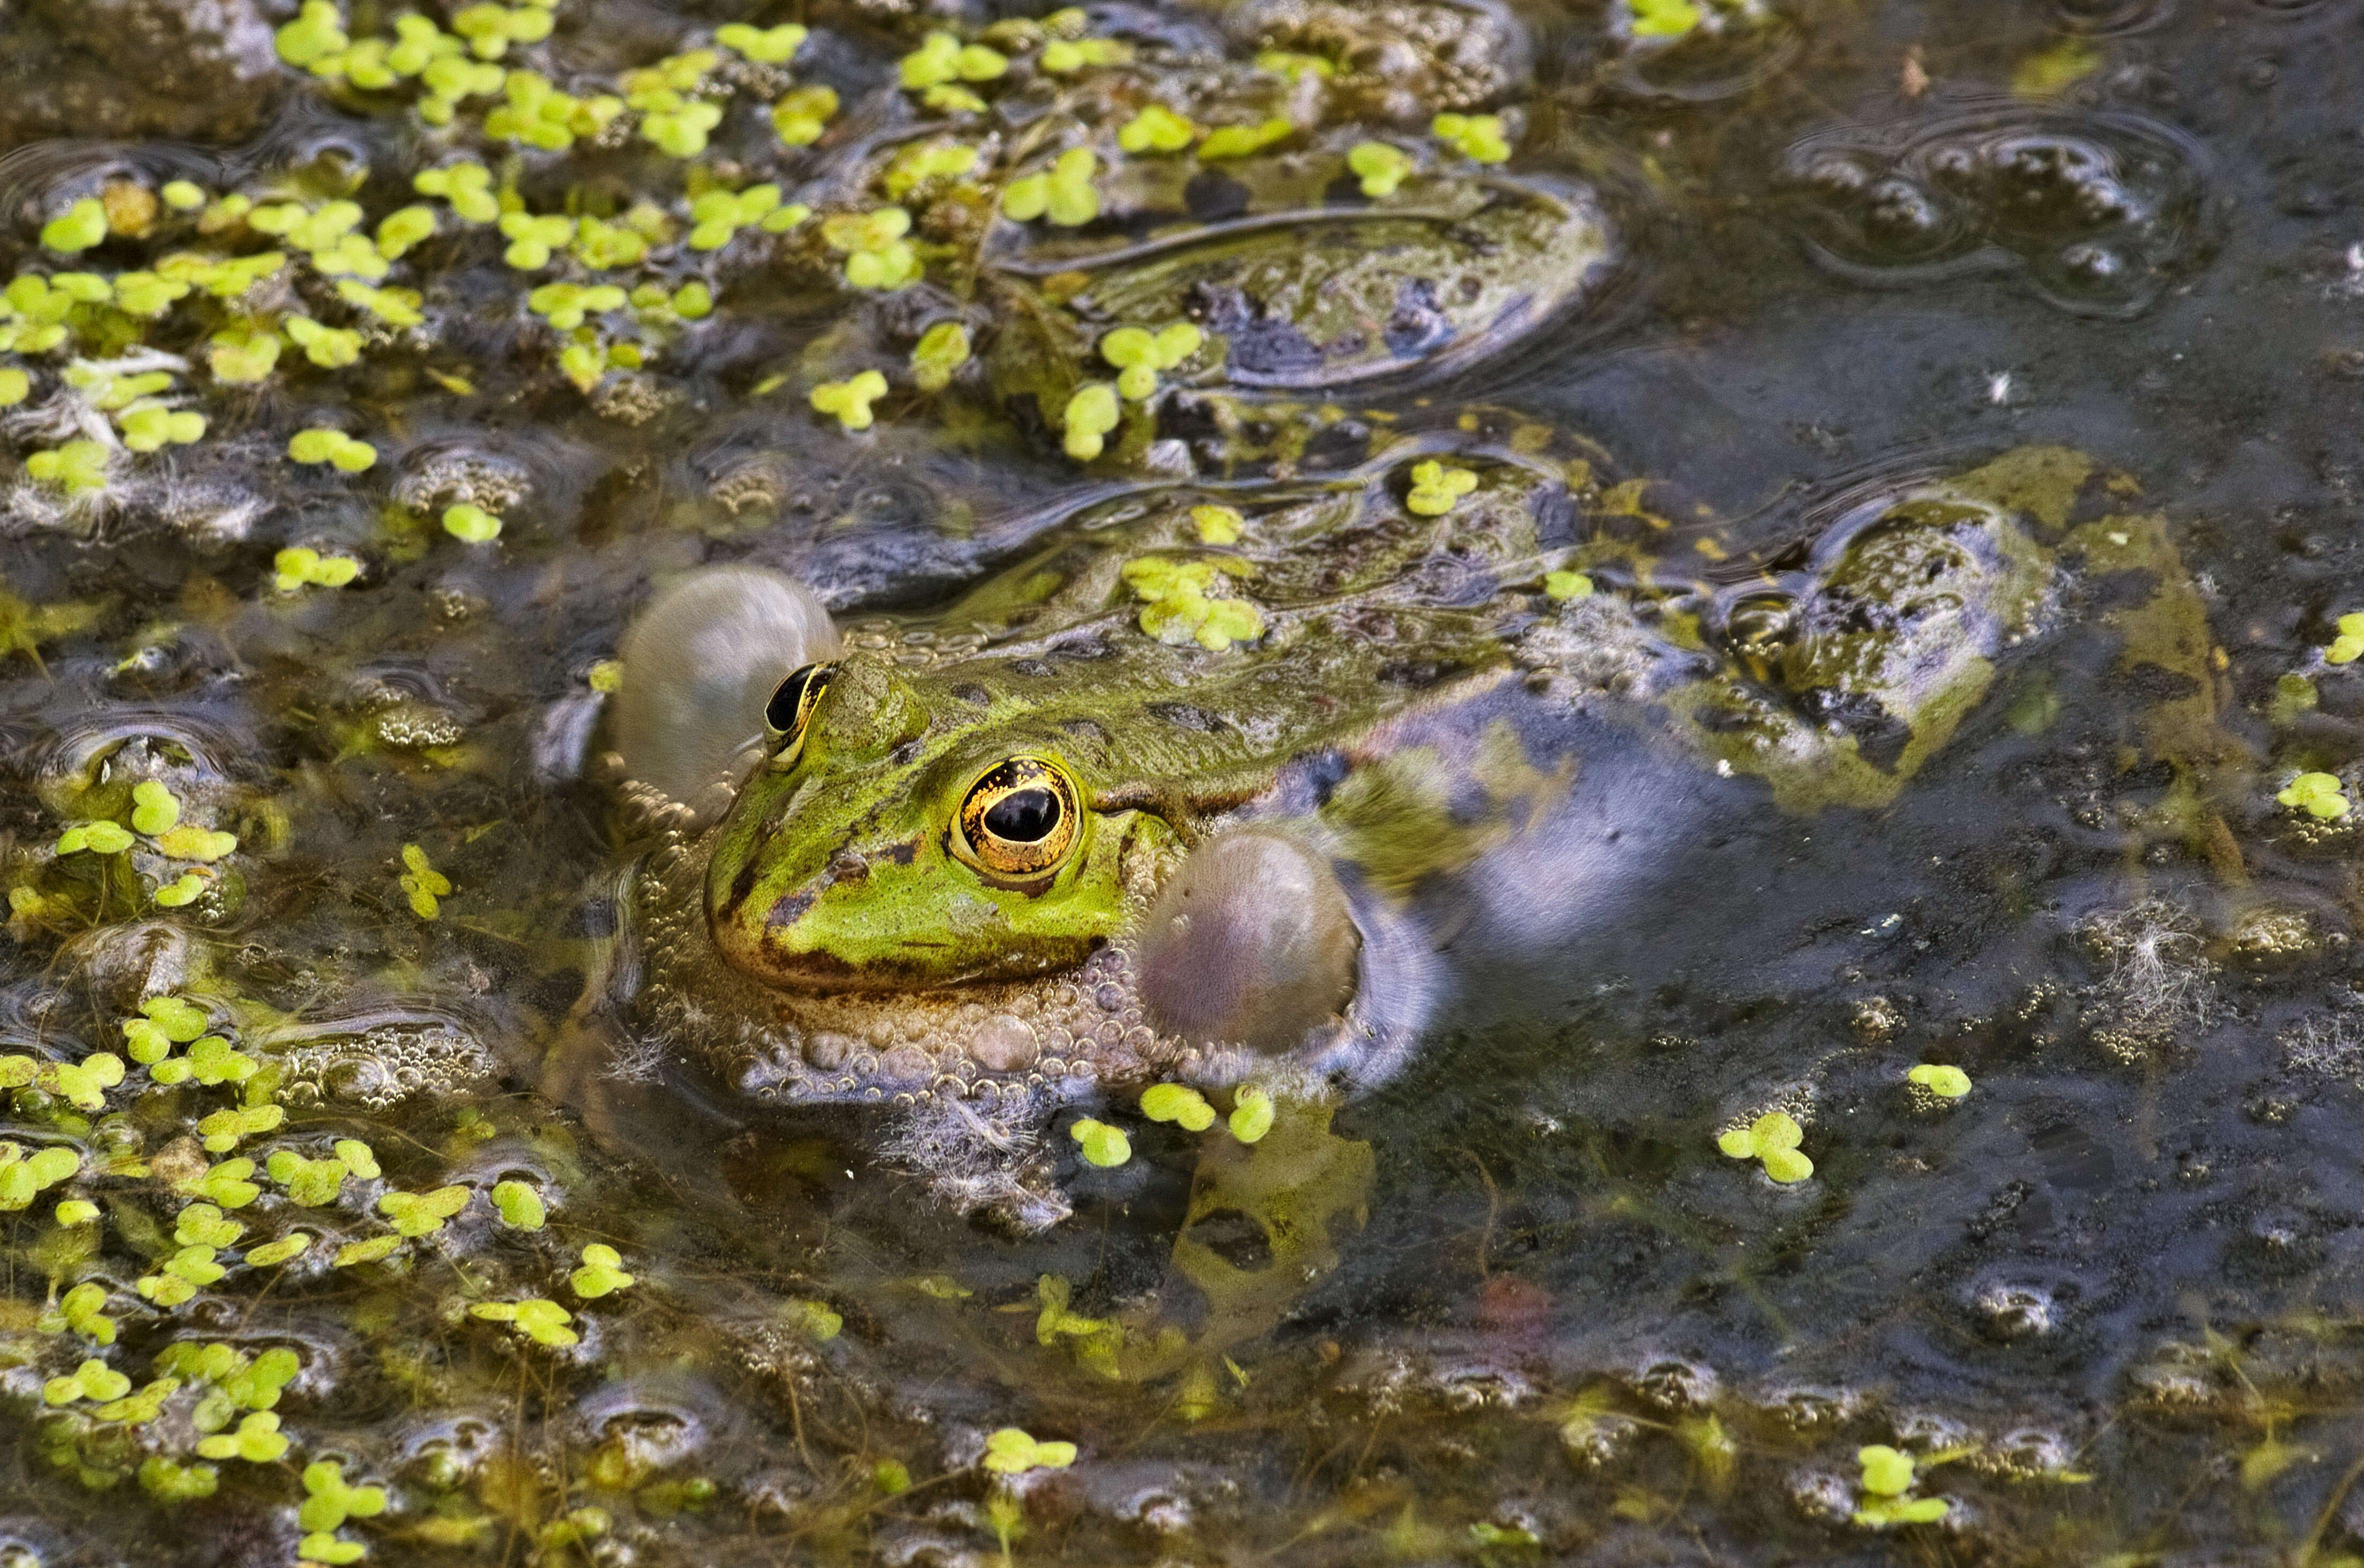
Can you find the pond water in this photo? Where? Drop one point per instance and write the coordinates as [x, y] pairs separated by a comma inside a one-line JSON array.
[[1732, 609]]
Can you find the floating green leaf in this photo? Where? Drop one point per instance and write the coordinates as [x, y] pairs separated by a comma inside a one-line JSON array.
[[1380, 167], [1251, 1113], [1436, 488], [1179, 1103], [1948, 1082], [1772, 1139], [1011, 1452], [602, 1273], [2320, 796], [1102, 1145]]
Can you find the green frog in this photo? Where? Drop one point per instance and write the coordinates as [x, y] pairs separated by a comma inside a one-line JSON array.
[[1178, 795]]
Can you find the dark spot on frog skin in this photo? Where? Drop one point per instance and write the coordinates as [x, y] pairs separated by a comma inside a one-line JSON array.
[[742, 887], [1082, 647], [2156, 684], [968, 692], [903, 756], [1085, 730], [789, 909], [1343, 445], [1188, 718], [1032, 668], [1261, 349], [1419, 672], [1419, 324], [1213, 196], [1554, 515], [904, 853]]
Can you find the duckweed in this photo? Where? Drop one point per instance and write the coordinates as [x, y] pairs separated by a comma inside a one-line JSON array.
[[717, 215], [1217, 525], [1565, 585], [1251, 1114], [422, 1214], [1064, 194], [82, 1310], [155, 808], [330, 1499], [1243, 140], [1101, 1144], [223, 1130], [225, 1185], [876, 254], [942, 351], [927, 163], [2348, 645], [602, 1273], [212, 1061], [850, 400], [71, 1212], [1179, 1103], [1888, 1475], [1089, 418], [1437, 488], [376, 1249], [257, 1440], [421, 883], [1156, 128], [814, 1319], [803, 114], [1946, 1083], [2320, 796], [942, 58], [1185, 604], [466, 187], [1772, 1139], [544, 1322], [173, 1483], [1477, 138], [1063, 57], [1664, 18], [24, 1176], [766, 46], [271, 1255], [533, 240], [469, 524], [94, 1380], [299, 565], [182, 1277], [1379, 167], [519, 1206], [78, 227], [203, 1225], [1138, 354], [1011, 1451], [79, 468]]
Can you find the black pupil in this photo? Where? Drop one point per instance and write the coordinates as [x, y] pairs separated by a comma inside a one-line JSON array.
[[1023, 816], [780, 713]]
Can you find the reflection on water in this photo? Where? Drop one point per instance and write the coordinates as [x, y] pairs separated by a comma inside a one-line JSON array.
[[1588, 793]]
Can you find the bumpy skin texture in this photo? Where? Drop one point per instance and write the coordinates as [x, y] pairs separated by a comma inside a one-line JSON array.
[[826, 941]]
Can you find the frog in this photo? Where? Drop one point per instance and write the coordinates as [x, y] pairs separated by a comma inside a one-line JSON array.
[[1175, 794]]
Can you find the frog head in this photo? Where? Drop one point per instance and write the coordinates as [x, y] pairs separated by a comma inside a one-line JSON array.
[[904, 832]]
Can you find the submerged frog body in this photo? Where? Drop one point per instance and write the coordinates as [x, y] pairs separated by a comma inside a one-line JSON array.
[[1174, 796]]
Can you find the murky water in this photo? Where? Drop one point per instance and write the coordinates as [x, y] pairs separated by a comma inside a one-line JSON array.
[[2013, 868]]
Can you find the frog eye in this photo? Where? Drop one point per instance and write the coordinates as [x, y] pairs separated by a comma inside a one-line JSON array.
[[1019, 820], [791, 706]]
